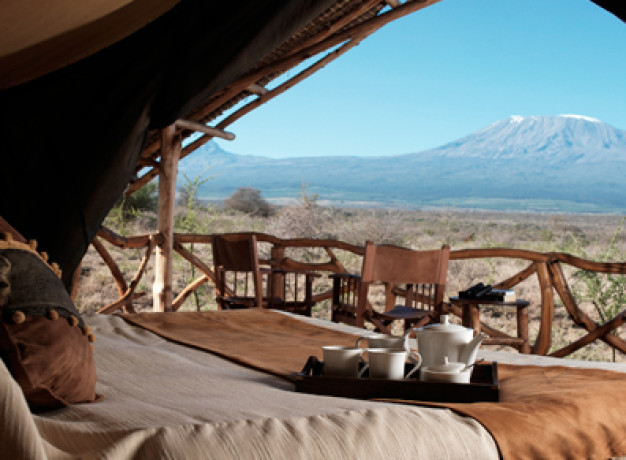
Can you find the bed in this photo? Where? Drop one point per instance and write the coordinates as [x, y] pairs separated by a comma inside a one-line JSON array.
[[164, 399]]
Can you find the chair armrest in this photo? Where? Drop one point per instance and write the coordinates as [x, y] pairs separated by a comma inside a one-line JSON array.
[[293, 270], [344, 276]]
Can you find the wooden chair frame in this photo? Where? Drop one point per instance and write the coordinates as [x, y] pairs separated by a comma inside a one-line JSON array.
[[238, 254], [423, 272]]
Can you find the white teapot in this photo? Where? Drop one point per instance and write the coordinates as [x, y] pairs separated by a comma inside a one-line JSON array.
[[446, 340]]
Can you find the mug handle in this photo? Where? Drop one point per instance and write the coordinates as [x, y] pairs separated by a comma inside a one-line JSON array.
[[416, 359], [358, 341], [365, 367]]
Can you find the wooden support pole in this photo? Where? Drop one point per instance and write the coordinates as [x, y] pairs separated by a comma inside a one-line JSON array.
[[277, 254], [544, 338], [522, 328], [170, 153]]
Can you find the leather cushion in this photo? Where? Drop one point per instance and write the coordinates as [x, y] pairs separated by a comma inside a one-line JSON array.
[[43, 339]]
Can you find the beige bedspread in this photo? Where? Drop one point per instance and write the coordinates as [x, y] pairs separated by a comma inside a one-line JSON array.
[[164, 400]]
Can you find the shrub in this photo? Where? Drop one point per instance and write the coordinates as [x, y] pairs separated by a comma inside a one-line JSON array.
[[606, 292], [144, 199], [128, 208], [380, 226], [248, 200], [305, 219]]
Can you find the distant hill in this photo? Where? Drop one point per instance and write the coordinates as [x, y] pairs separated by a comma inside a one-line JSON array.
[[564, 163]]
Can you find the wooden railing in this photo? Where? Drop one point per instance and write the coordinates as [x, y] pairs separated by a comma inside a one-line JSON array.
[[547, 267], [549, 271], [277, 259]]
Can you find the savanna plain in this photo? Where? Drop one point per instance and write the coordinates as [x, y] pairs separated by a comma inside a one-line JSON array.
[[594, 237]]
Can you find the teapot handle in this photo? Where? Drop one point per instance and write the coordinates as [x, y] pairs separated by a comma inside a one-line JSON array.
[[416, 359]]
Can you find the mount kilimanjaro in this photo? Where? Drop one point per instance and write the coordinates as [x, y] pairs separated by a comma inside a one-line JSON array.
[[566, 163]]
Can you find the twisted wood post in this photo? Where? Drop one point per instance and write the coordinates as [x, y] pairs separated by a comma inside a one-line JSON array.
[[170, 152], [544, 338], [277, 283]]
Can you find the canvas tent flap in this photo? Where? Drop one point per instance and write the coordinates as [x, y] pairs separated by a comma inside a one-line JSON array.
[[72, 138], [39, 36]]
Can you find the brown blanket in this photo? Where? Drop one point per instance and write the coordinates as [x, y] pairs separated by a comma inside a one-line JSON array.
[[261, 339], [545, 412]]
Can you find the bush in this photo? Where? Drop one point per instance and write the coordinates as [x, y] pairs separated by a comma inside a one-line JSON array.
[[248, 200], [305, 219], [127, 208], [380, 226], [144, 199]]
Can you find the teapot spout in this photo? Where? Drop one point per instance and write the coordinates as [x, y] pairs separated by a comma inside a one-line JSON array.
[[468, 354]]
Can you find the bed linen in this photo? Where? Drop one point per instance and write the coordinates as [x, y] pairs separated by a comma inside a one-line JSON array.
[[165, 400]]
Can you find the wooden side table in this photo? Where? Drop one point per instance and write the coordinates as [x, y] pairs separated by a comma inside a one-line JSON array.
[[471, 318]]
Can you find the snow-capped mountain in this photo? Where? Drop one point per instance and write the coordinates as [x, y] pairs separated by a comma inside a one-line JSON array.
[[563, 138], [549, 163]]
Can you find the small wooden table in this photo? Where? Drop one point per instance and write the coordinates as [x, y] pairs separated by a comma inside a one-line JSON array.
[[471, 318]]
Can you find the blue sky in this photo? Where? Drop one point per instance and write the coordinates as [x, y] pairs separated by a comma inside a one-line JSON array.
[[447, 71]]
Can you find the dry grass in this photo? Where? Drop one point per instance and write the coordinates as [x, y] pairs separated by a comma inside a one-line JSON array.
[[586, 236]]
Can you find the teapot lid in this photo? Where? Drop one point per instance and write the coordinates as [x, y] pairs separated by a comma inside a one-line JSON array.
[[444, 326], [447, 366]]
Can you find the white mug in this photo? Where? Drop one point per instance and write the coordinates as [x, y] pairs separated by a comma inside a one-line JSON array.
[[384, 341], [340, 361], [387, 363]]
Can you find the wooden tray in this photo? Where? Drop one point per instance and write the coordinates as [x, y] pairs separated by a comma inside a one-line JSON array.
[[483, 386]]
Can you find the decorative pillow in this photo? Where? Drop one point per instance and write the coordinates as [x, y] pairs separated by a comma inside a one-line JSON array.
[[43, 340]]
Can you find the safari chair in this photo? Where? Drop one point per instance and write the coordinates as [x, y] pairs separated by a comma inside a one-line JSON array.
[[241, 282], [418, 276]]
